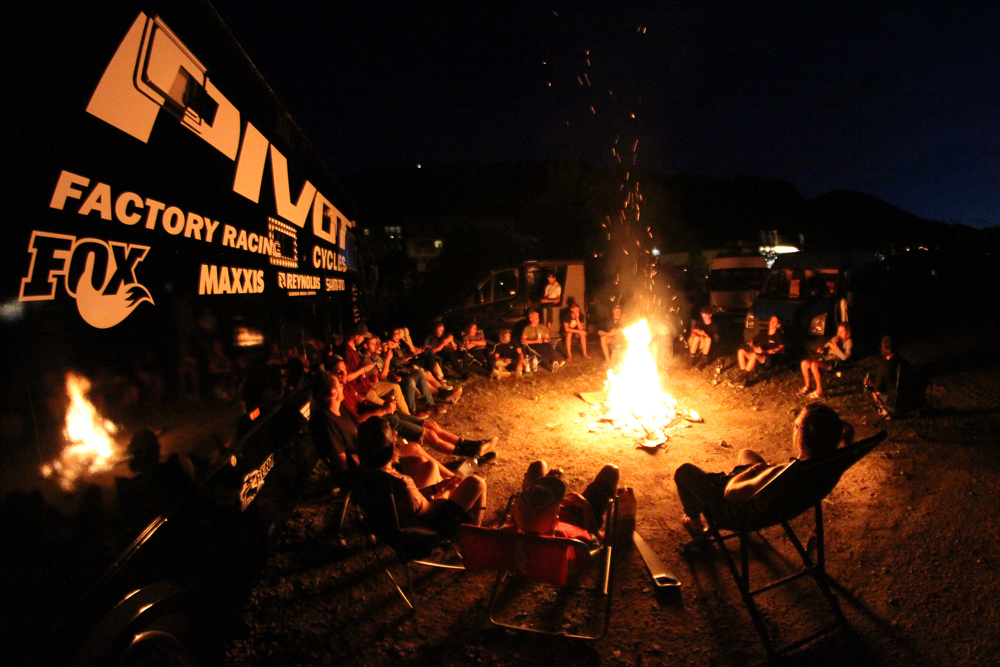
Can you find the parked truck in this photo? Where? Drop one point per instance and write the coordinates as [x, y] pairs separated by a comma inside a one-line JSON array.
[[171, 236]]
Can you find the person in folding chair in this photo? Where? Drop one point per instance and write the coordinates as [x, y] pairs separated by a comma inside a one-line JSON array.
[[817, 432], [424, 496], [544, 507], [836, 350]]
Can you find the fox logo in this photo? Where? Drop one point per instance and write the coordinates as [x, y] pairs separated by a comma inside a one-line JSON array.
[[100, 275]]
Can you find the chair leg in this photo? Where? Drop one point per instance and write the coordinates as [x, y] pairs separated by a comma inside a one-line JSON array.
[[741, 575]]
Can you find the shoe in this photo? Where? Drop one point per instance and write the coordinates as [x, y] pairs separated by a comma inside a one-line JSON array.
[[495, 374], [804, 390], [474, 448], [556, 365], [503, 374], [534, 364], [453, 396], [423, 414], [488, 457]]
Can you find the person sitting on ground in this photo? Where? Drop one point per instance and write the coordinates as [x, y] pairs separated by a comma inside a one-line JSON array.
[[384, 388], [817, 432], [424, 431], [552, 297], [536, 343], [404, 364], [441, 348], [423, 494], [836, 349], [763, 346], [156, 486], [574, 326], [507, 358], [474, 348], [544, 506], [611, 333], [704, 332]]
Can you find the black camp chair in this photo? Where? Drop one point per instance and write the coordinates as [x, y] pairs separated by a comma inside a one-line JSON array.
[[412, 545], [525, 560], [798, 488]]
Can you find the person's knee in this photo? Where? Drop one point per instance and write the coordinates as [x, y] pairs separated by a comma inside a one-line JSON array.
[[608, 477], [686, 473]]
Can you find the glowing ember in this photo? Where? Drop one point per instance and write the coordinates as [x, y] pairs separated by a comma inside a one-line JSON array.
[[634, 393], [90, 447]]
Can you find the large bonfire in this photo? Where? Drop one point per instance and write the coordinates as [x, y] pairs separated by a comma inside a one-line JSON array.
[[635, 398]]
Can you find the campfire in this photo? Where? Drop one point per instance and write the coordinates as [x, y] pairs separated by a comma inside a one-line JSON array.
[[635, 403], [90, 447]]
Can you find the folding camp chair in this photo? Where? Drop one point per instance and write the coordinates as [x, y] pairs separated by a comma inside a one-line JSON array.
[[801, 486], [412, 545], [569, 565], [901, 407]]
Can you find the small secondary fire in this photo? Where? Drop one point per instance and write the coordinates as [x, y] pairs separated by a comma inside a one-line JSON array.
[[90, 446], [634, 393]]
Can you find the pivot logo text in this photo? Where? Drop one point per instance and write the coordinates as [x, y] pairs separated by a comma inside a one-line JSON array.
[[100, 275], [152, 70]]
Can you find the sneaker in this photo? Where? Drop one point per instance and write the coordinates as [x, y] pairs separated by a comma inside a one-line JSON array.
[[474, 448], [453, 395], [495, 374], [556, 365], [488, 457], [534, 364]]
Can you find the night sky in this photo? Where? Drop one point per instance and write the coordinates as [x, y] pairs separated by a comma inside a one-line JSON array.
[[897, 99]]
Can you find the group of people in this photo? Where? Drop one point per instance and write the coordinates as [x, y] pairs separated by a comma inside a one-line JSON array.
[[766, 346]]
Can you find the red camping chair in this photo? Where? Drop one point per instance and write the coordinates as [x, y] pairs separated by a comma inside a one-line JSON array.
[[569, 565]]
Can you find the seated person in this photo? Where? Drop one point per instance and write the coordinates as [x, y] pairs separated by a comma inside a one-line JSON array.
[[384, 387], [412, 428], [887, 376], [441, 348], [404, 364], [544, 506], [474, 348], [611, 333], [763, 346], [506, 357], [704, 332], [574, 326], [552, 297], [332, 429], [838, 348], [536, 344], [426, 493], [818, 431]]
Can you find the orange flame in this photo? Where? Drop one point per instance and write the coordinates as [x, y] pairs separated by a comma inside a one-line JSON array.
[[634, 393], [90, 446]]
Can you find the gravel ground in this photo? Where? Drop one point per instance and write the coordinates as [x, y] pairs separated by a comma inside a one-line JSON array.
[[911, 536]]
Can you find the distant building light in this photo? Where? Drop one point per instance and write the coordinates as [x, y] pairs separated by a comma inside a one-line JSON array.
[[365, 231], [438, 243], [418, 165], [656, 252]]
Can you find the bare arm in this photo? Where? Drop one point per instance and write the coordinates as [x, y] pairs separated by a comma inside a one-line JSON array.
[[743, 486]]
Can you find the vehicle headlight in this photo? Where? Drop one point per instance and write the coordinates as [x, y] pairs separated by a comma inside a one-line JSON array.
[[817, 327], [750, 321]]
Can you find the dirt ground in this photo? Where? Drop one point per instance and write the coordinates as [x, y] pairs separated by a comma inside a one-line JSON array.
[[911, 536]]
